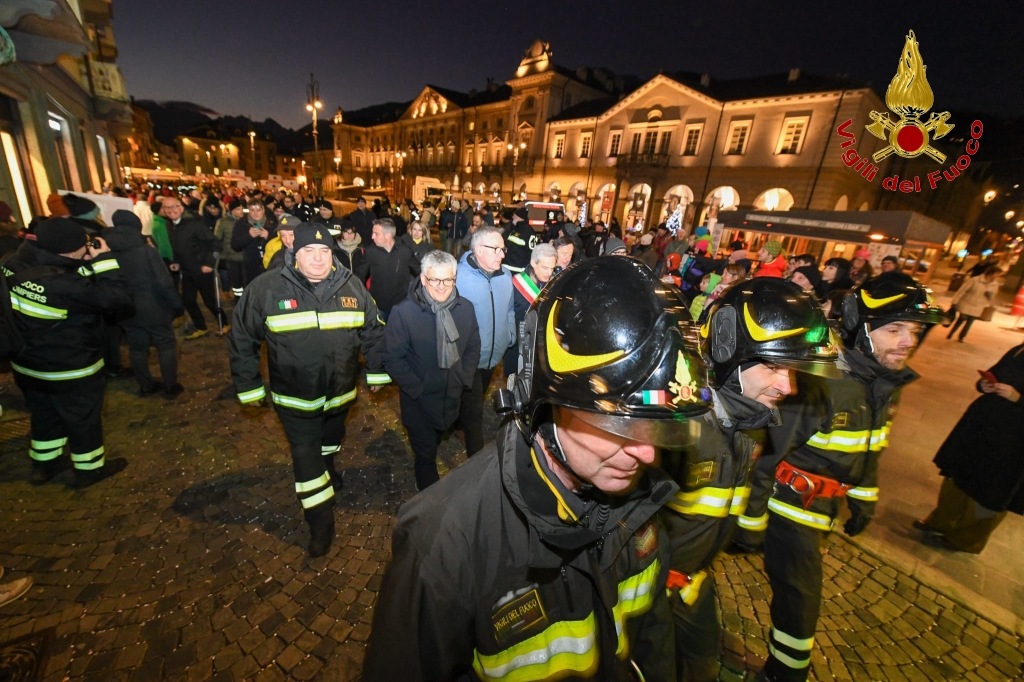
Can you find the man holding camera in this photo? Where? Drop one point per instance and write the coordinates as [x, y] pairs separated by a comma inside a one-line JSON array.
[[62, 285]]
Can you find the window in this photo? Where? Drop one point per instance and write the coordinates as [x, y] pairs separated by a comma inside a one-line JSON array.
[[585, 142], [634, 145], [666, 140], [616, 141], [739, 131], [359, 162], [691, 145], [559, 145], [472, 125], [791, 138], [650, 139], [528, 103], [483, 125], [501, 123]]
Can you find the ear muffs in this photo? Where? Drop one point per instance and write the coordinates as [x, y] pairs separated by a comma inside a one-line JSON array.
[[851, 314], [723, 334]]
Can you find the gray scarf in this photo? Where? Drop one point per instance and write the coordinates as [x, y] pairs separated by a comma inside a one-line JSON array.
[[446, 332]]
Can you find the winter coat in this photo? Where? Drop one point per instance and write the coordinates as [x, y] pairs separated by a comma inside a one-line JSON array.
[[487, 582], [418, 250], [976, 295], [60, 315], [156, 301], [389, 274], [491, 295], [983, 454], [252, 248], [193, 243], [363, 222], [521, 241], [453, 224], [410, 356], [223, 232], [772, 268], [352, 256]]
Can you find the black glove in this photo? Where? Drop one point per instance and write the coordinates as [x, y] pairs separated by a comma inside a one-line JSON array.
[[856, 524]]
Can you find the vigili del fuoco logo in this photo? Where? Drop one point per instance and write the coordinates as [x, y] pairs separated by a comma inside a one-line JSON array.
[[909, 97]]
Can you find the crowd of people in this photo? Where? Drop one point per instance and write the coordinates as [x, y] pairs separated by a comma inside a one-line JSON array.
[[663, 400]]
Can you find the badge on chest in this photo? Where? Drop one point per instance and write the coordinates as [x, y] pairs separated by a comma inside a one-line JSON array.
[[522, 614]]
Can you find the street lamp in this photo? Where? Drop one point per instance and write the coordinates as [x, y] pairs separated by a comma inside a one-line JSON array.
[[515, 149], [313, 104]]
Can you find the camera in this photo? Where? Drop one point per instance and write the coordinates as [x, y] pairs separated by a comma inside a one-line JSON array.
[[93, 243]]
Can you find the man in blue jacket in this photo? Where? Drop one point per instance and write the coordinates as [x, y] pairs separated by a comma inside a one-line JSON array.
[[488, 285]]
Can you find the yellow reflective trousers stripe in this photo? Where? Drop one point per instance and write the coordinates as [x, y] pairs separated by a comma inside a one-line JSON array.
[[801, 516], [60, 376]]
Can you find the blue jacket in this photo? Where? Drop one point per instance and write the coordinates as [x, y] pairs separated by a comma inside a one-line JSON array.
[[491, 296]]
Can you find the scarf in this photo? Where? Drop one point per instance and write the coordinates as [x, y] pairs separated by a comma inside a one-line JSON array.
[[444, 327]]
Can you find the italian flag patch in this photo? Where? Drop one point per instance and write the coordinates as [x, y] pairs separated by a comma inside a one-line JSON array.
[[655, 397], [290, 304]]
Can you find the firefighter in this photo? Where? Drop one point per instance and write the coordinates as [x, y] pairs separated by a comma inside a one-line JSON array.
[[543, 557], [521, 240], [315, 318], [62, 284], [827, 449], [757, 333]]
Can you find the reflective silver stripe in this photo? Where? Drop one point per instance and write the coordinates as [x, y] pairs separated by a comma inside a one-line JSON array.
[[802, 516], [739, 500], [60, 376], [805, 644], [253, 395], [866, 494], [515, 239], [105, 265], [755, 523], [45, 455], [317, 483], [342, 319], [340, 400], [539, 658], [377, 379], [89, 460], [321, 497], [48, 444], [326, 450], [298, 403], [788, 660], [289, 322], [31, 308]]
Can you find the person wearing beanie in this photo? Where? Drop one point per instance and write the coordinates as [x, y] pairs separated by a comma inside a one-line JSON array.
[[316, 318], [324, 214], [860, 268], [807, 278], [362, 219], [58, 209], [156, 305], [614, 247], [85, 212], [645, 252], [61, 285], [773, 260]]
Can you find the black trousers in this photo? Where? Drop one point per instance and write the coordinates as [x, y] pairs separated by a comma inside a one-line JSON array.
[[236, 280], [792, 560], [161, 337], [471, 411], [698, 635], [424, 439], [315, 438], [201, 283], [961, 319], [71, 417]]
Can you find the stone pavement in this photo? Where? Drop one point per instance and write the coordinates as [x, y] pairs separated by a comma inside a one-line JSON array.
[[190, 564]]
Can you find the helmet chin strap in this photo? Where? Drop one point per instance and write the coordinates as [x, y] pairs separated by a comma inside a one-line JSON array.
[[548, 433]]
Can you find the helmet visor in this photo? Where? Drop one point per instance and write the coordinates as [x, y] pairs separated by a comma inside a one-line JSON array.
[[821, 368], [672, 432]]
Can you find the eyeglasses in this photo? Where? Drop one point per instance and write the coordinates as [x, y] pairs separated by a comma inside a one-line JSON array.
[[497, 249], [441, 282]]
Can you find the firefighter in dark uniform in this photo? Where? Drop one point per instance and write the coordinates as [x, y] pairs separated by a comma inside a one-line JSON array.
[[61, 287], [544, 557], [315, 318], [520, 241], [758, 331], [828, 448], [325, 216]]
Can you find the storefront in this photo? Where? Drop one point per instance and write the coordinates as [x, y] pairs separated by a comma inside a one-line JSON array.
[[915, 239]]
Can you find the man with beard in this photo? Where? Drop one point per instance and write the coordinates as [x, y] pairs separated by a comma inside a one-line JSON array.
[[828, 448]]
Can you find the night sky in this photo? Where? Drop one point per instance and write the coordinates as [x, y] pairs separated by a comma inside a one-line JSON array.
[[254, 58]]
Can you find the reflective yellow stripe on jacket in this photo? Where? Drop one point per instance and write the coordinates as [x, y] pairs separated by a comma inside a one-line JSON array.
[[569, 647], [60, 376], [852, 441], [31, 308], [310, 319], [704, 501]]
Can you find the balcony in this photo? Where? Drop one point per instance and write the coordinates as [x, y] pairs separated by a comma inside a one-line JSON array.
[[433, 167], [643, 161]]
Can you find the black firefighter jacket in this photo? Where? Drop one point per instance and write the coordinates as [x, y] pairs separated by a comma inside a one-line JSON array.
[[487, 581], [156, 301], [313, 334], [60, 315], [410, 356]]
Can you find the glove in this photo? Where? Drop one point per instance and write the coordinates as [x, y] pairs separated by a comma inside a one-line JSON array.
[[856, 524]]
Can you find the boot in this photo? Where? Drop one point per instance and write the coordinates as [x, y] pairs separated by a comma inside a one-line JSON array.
[[44, 471], [337, 480], [85, 478], [321, 528]]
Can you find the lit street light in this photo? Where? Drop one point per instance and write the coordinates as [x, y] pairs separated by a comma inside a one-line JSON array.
[[313, 104]]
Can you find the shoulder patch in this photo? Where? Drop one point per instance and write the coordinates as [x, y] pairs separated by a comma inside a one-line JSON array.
[[646, 540], [840, 420]]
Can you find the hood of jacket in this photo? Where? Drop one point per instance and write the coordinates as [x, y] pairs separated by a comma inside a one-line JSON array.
[[123, 238]]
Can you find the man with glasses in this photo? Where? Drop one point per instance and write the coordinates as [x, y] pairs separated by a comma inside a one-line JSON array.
[[488, 286], [250, 236], [194, 244], [431, 349]]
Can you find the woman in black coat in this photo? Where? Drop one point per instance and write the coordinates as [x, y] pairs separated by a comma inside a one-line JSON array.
[[431, 349], [982, 462]]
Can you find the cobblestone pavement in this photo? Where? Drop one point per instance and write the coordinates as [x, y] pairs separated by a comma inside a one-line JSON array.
[[190, 564]]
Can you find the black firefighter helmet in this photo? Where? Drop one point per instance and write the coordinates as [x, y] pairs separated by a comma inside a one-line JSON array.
[[608, 339], [888, 297], [769, 320]]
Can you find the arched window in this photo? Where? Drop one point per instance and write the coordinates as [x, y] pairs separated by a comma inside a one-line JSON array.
[[774, 199]]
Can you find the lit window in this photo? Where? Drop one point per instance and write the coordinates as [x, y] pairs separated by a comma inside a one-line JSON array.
[[472, 125], [739, 132], [613, 149], [691, 145], [791, 138], [559, 145], [650, 138], [585, 142]]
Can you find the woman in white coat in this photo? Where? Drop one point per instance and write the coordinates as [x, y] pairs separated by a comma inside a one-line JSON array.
[[972, 299]]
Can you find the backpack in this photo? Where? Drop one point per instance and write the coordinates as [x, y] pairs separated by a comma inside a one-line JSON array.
[[11, 340]]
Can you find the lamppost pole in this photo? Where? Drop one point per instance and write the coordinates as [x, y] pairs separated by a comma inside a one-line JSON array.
[[313, 104], [514, 148]]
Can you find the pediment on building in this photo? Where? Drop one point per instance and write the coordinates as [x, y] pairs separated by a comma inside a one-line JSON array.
[[658, 99], [430, 102]]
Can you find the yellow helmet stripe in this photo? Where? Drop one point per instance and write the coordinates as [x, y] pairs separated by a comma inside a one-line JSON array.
[[879, 302], [759, 333], [562, 361]]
